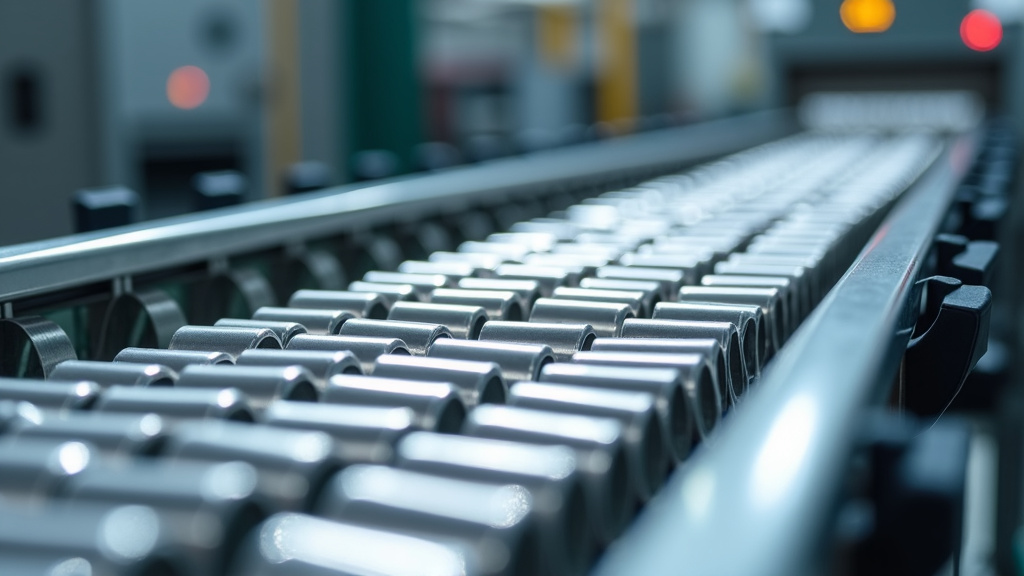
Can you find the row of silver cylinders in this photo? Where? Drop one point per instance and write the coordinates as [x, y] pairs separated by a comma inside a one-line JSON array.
[[501, 409]]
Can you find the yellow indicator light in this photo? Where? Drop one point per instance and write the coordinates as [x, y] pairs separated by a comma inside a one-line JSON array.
[[867, 16]]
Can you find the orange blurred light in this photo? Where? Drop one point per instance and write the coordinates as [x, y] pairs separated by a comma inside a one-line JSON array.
[[867, 16], [981, 30], [188, 87]]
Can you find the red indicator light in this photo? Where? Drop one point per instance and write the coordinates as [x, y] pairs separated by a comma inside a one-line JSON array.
[[981, 30], [188, 87]]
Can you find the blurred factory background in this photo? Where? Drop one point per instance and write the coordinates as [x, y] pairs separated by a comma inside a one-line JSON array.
[[99, 93]]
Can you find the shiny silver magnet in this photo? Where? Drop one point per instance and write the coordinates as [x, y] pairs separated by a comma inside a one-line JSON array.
[[651, 290], [499, 305], [453, 270], [564, 339], [438, 405], [363, 434], [110, 373], [35, 470], [528, 290], [796, 307], [285, 330], [363, 304], [422, 283], [746, 317], [114, 434], [464, 322], [366, 349], [223, 339], [668, 279], [50, 393], [174, 359], [476, 382], [226, 404], [635, 298], [417, 336], [605, 318], [390, 293], [316, 321], [321, 363], [773, 307], [262, 384], [547, 277], [517, 361]]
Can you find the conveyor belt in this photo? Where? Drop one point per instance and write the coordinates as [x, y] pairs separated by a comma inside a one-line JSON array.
[[501, 407]]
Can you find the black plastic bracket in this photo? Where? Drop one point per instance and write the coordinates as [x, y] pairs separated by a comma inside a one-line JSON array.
[[940, 358], [972, 262]]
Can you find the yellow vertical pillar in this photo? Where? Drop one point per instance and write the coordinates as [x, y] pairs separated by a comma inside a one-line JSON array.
[[557, 29], [616, 98], [283, 143]]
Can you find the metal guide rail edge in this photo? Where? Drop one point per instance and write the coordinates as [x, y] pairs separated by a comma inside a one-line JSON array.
[[501, 408]]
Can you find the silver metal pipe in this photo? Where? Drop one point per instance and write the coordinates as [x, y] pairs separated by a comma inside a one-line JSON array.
[[321, 363], [113, 434], [517, 361], [422, 284], [773, 307], [483, 262], [453, 270], [600, 454], [499, 305], [692, 264], [798, 309], [176, 360], [805, 287], [667, 385], [464, 322], [605, 318], [109, 373], [363, 434], [651, 290], [495, 521], [366, 349], [550, 473], [528, 290], [36, 469], [668, 279], [292, 465], [290, 544], [547, 277], [285, 330], [223, 339], [725, 333], [437, 405], [417, 336], [50, 393], [635, 298], [699, 381], [390, 293], [316, 320], [225, 404], [564, 339], [646, 449], [363, 304], [746, 318], [263, 384], [476, 382]]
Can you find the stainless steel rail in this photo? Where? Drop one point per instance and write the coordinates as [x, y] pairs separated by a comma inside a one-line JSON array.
[[40, 267], [760, 498]]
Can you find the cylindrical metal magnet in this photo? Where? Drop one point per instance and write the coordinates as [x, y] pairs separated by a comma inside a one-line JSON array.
[[733, 373], [417, 336], [499, 305], [223, 339], [290, 544], [773, 307], [476, 382], [635, 299], [92, 538], [547, 277], [479, 260], [221, 498], [453, 270], [528, 290], [176, 360], [548, 472], [508, 251], [670, 280], [316, 320], [798, 309], [262, 384], [116, 434], [365, 434], [36, 469], [496, 521], [50, 393], [699, 381], [285, 330], [800, 282], [226, 404], [651, 290], [110, 374], [605, 318], [293, 465], [362, 304], [321, 363], [390, 293], [693, 265], [646, 449], [423, 284], [464, 322], [366, 349], [725, 333], [437, 405], [517, 361], [667, 385], [564, 339], [746, 317], [600, 454]]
